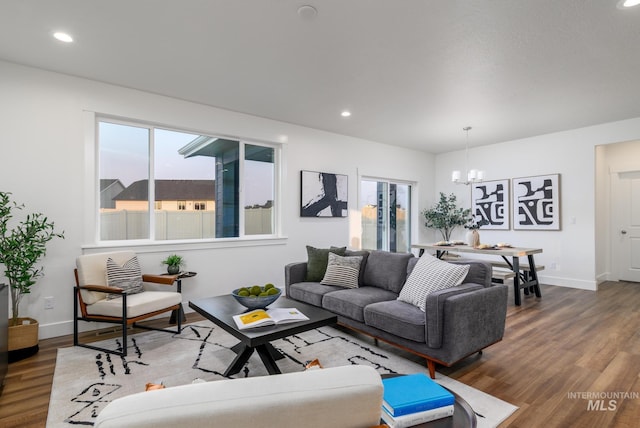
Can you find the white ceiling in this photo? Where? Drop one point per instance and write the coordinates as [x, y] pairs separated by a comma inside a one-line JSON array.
[[413, 72]]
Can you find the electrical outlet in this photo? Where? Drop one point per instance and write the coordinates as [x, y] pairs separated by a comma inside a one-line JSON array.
[[49, 302]]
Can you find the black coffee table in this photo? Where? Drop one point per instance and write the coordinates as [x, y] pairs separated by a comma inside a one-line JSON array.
[[221, 309]]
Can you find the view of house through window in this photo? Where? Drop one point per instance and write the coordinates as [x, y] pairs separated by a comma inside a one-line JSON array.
[[192, 183], [385, 209]]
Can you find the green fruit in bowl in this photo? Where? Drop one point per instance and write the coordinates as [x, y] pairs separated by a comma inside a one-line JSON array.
[[243, 292], [263, 294], [256, 289], [244, 289], [272, 291], [268, 286]]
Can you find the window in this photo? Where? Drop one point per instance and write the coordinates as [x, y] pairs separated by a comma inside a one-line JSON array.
[[159, 184], [385, 208]]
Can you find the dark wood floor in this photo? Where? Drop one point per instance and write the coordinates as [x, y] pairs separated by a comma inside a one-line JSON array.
[[570, 341]]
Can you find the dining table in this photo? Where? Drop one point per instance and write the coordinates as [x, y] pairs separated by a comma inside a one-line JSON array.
[[526, 276]]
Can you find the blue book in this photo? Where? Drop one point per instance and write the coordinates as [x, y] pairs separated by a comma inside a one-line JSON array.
[[413, 393]]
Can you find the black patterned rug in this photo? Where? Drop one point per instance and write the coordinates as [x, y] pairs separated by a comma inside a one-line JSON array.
[[85, 381]]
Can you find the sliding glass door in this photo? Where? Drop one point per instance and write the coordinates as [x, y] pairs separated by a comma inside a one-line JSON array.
[[385, 208]]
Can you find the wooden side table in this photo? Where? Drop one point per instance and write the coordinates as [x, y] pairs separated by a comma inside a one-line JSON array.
[[174, 313]]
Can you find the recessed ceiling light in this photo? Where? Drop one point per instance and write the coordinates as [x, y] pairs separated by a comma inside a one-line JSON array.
[[623, 4], [345, 113], [63, 37]]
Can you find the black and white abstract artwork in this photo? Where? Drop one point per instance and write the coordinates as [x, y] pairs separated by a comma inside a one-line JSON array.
[[490, 204], [323, 194], [536, 202]]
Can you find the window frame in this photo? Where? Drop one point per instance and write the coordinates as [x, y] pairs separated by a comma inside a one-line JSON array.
[[92, 146]]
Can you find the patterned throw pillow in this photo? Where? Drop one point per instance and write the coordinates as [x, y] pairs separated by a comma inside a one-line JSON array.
[[342, 271], [429, 275], [128, 276]]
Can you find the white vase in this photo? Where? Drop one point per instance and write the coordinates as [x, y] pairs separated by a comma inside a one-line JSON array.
[[473, 238], [468, 238]]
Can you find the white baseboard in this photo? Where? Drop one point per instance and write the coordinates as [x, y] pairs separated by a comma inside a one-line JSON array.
[[581, 284]]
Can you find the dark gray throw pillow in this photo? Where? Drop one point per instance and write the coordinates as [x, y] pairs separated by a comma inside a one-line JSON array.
[[317, 259]]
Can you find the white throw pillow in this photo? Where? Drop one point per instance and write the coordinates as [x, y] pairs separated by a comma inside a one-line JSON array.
[[342, 271], [430, 274]]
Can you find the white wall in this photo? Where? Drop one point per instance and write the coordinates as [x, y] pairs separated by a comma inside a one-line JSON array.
[[47, 162], [571, 154]]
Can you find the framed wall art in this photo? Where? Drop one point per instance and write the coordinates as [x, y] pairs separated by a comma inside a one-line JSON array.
[[490, 204], [323, 194], [536, 202]]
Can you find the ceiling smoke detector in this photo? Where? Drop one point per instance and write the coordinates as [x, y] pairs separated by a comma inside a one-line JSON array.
[[307, 12]]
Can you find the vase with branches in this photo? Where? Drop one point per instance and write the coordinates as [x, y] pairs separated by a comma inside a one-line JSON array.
[[22, 245], [445, 216]]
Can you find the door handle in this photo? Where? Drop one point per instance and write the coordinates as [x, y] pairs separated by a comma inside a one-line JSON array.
[[624, 232]]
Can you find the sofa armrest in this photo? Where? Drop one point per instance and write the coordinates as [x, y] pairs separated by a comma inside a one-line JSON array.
[[475, 320], [294, 273], [160, 279], [484, 308], [102, 288], [434, 311]]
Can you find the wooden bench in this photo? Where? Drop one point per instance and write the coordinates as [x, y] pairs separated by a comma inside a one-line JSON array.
[[501, 275]]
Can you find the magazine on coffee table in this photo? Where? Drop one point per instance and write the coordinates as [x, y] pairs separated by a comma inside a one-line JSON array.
[[261, 317]]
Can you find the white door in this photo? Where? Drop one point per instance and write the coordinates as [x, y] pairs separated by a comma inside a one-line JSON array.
[[626, 225]]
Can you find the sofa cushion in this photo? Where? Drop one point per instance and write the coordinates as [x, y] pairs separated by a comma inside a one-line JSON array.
[[479, 270], [386, 270], [92, 270], [365, 255], [137, 304], [310, 292], [127, 276], [317, 259], [430, 274], [351, 302], [342, 271], [397, 318]]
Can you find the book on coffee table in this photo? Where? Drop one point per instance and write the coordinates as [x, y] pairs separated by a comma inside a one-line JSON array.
[[416, 418], [413, 393], [262, 317]]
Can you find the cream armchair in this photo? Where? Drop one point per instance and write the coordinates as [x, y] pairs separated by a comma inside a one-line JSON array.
[[119, 294]]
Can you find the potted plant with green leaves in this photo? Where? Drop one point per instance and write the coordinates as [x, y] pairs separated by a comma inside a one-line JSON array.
[[174, 262], [445, 216], [22, 244]]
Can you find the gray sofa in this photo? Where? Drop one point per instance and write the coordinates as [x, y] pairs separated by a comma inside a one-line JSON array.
[[457, 322]]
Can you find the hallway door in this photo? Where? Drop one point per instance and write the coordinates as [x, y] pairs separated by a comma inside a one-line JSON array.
[[625, 187]]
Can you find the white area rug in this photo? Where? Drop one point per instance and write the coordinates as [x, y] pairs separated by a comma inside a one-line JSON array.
[[85, 381]]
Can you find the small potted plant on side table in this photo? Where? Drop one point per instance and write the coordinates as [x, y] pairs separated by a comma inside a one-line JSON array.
[[174, 262]]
